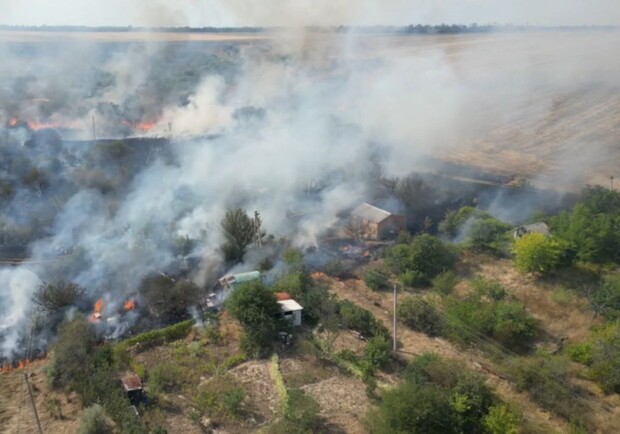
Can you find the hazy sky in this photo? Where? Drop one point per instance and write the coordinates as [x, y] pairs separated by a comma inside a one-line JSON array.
[[292, 12]]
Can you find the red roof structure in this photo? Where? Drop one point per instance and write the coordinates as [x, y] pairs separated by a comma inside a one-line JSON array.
[[281, 296]]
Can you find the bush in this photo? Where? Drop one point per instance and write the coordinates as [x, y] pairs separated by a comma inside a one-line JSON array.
[[53, 297], [221, 397], [164, 296], [410, 408], [473, 319], [487, 233], [606, 300], [419, 315], [94, 420], [501, 420], [445, 282], [580, 353], [377, 279], [254, 305], [161, 336], [547, 380], [538, 253], [165, 377], [303, 410], [72, 353], [378, 352], [356, 318], [605, 365], [421, 260]]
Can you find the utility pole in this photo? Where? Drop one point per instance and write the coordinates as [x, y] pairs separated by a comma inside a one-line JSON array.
[[394, 320], [94, 135], [34, 407]]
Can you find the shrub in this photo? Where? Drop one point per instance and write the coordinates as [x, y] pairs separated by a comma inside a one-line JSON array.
[[421, 260], [500, 420], [547, 380], [489, 288], [54, 297], [378, 352], [222, 397], [605, 366], [165, 297], [580, 353], [487, 233], [354, 317], [165, 377], [377, 279], [538, 253], [161, 336], [303, 410], [72, 353], [411, 408], [255, 306], [419, 315], [94, 420], [445, 282], [606, 300]]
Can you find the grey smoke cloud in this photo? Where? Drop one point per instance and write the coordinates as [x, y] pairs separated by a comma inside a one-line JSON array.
[[323, 110]]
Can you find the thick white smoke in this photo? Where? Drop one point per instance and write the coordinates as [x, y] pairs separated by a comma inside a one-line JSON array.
[[295, 123]]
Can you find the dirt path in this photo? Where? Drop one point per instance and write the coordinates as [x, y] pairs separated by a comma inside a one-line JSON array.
[[414, 343]]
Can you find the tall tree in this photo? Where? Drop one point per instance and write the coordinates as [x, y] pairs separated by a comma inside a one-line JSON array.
[[240, 231]]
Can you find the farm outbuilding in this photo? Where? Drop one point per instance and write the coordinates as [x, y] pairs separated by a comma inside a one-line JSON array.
[[374, 223], [290, 309]]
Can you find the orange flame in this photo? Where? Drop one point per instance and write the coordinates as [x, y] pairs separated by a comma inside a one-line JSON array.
[[12, 122], [129, 305], [143, 125], [96, 315], [11, 366]]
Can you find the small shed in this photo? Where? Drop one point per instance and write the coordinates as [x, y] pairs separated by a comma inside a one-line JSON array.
[[225, 286], [375, 223], [290, 309], [534, 228], [133, 388]]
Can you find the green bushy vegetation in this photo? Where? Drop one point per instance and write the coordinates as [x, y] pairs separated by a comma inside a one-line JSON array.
[[94, 420], [359, 319], [488, 314], [477, 229], [437, 396], [78, 364], [421, 260], [592, 227], [377, 278], [254, 305], [419, 315], [605, 357], [445, 282], [221, 397], [161, 336], [606, 299], [539, 253], [546, 378]]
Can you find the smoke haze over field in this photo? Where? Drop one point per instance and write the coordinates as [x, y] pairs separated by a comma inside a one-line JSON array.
[[307, 12], [297, 121]]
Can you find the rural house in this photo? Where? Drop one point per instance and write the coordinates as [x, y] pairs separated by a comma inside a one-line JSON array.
[[372, 223], [226, 285]]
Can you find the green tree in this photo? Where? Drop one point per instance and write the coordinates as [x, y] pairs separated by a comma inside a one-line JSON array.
[[455, 219], [538, 253], [378, 352], [605, 365], [255, 306], [240, 231], [487, 233], [53, 297], [420, 261]]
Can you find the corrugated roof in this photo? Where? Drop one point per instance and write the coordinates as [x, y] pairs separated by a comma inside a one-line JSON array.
[[371, 213], [132, 382], [281, 296], [233, 279], [289, 305]]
